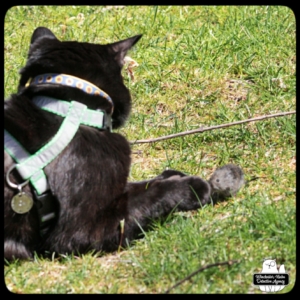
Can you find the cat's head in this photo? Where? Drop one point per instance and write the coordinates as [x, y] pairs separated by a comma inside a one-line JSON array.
[[98, 64]]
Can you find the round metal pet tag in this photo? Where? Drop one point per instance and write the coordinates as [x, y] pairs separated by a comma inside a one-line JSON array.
[[21, 203]]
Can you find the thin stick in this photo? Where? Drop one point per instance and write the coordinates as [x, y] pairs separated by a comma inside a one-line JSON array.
[[202, 129], [230, 262]]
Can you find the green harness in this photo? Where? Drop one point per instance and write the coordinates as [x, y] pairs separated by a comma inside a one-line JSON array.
[[30, 167]]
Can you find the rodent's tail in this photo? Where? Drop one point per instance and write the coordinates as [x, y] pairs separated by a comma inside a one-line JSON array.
[[253, 178]]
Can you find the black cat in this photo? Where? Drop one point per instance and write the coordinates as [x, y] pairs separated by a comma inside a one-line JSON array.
[[88, 193]]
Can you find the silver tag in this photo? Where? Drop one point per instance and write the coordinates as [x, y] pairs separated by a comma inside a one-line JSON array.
[[21, 203]]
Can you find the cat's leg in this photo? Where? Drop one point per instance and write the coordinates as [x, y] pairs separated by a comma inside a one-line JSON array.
[[146, 201], [168, 191], [21, 232]]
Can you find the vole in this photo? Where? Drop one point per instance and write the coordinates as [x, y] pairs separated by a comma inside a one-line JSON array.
[[226, 181]]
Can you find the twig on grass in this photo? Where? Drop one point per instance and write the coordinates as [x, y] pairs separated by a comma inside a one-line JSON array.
[[229, 262], [202, 129]]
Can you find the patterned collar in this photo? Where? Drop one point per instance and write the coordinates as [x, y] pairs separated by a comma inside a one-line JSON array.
[[68, 80]]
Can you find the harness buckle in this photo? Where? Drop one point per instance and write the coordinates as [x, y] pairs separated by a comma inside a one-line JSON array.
[[48, 208], [107, 123]]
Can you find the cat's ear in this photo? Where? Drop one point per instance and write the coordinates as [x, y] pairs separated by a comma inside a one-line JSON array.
[[120, 49], [42, 32]]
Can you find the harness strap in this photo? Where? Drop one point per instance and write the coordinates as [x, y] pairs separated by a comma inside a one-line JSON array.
[[47, 153], [13, 148], [74, 113], [31, 167], [98, 119], [46, 204], [19, 154]]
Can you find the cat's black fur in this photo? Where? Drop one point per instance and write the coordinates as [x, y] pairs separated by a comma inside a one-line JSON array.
[[89, 178]]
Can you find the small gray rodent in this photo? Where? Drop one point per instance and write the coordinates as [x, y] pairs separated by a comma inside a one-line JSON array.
[[226, 181]]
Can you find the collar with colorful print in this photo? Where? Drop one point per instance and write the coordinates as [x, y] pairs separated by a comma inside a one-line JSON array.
[[69, 80]]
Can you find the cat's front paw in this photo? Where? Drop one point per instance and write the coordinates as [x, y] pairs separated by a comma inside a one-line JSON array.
[[199, 193]]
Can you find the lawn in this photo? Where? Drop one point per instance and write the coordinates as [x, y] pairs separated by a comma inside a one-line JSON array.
[[197, 66]]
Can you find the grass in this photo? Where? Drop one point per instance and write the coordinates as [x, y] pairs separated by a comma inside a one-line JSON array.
[[198, 66]]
